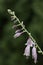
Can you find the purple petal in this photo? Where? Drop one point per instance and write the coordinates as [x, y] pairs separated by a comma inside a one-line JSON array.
[[34, 54], [17, 34], [30, 42], [17, 31], [27, 51]]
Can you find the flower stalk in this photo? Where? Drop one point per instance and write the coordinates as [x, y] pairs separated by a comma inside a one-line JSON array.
[[25, 30]]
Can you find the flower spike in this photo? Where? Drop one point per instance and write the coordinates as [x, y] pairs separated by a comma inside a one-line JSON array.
[[30, 42]]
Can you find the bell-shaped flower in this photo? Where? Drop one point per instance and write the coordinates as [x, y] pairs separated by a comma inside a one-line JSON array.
[[34, 54], [17, 31], [27, 51], [18, 34], [30, 42]]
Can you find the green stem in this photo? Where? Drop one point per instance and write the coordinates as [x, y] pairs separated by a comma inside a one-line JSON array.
[[25, 30], [30, 36]]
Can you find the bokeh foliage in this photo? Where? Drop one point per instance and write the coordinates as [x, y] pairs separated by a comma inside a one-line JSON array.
[[29, 11]]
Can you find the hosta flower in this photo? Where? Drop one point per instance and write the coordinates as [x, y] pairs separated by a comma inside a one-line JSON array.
[[17, 34], [27, 51], [34, 54], [17, 31], [30, 42]]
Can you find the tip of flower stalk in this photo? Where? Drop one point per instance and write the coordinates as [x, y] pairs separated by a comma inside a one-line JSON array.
[[10, 12]]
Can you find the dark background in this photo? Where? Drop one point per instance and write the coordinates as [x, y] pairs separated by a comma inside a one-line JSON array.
[[29, 11]]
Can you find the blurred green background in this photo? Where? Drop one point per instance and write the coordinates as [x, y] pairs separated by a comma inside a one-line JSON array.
[[29, 11]]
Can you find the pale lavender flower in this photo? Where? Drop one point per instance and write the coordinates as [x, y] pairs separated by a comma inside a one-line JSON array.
[[17, 34], [27, 51], [30, 42], [34, 54], [17, 31]]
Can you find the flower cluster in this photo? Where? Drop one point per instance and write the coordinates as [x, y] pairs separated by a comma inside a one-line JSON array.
[[18, 32], [30, 42]]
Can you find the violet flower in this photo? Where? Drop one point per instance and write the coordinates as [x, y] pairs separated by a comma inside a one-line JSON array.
[[27, 51], [17, 34], [30, 42], [17, 31], [34, 54]]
